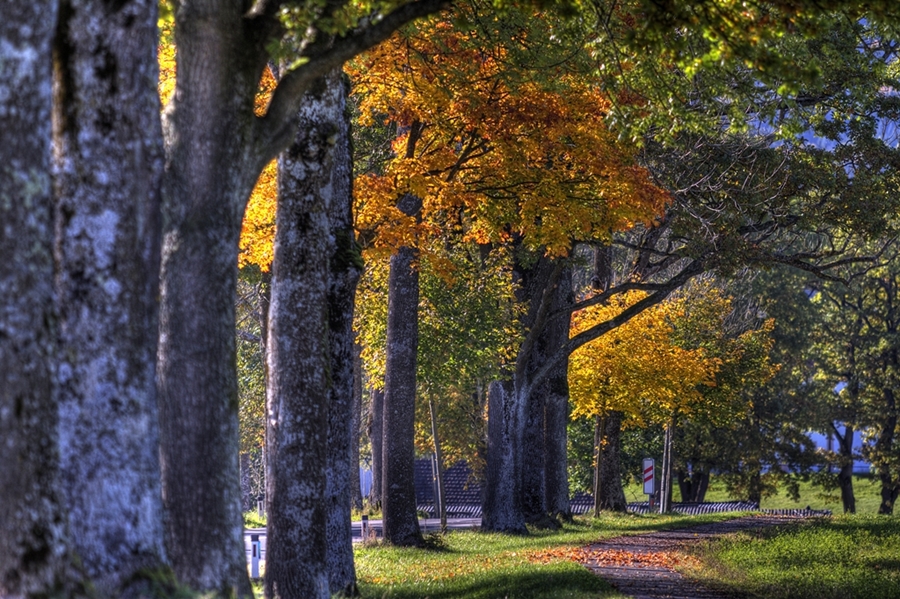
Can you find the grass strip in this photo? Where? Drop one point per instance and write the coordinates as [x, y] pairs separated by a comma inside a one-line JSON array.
[[844, 557], [475, 565]]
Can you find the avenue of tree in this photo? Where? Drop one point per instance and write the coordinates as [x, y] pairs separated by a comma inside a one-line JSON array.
[[604, 167]]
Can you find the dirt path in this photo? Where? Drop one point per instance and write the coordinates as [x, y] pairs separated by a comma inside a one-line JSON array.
[[643, 566]]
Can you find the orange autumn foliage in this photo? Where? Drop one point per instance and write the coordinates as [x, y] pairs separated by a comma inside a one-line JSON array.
[[493, 149]]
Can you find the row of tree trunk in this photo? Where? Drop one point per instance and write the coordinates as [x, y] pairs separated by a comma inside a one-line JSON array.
[[119, 426]]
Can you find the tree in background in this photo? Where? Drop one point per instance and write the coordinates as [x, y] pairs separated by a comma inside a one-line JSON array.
[[637, 370], [858, 348], [498, 151]]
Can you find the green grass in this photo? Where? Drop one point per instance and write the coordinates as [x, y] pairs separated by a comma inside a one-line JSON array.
[[476, 565], [866, 489], [841, 558]]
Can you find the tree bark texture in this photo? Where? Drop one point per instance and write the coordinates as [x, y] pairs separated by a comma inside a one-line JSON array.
[[398, 495], [519, 436], [109, 163], [345, 265], [533, 281], [299, 390], [376, 439], [502, 507], [556, 407], [212, 162], [545, 481], [612, 496], [32, 545]]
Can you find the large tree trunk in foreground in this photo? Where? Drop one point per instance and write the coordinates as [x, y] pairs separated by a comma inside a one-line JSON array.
[[299, 390], [33, 552], [345, 264], [211, 167], [398, 494], [109, 164], [516, 410]]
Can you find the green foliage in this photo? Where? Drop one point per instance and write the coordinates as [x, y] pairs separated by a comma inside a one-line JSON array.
[[466, 330], [252, 519], [855, 557]]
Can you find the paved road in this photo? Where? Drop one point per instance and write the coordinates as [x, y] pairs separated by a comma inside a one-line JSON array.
[[428, 526]]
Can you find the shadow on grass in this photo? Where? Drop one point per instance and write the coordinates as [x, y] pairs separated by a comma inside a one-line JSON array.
[[501, 585]]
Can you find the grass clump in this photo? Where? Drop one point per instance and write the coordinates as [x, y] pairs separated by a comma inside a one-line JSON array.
[[475, 565], [842, 557], [254, 520]]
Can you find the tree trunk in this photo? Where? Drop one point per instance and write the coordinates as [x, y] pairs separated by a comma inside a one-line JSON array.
[[33, 555], [398, 494], [754, 483], [109, 163], [884, 446], [356, 498], [685, 484], [376, 439], [556, 409], [247, 500], [533, 453], [701, 485], [599, 425], [502, 507], [439, 503], [213, 157], [845, 475], [345, 264], [306, 303], [534, 280], [665, 491], [612, 496], [545, 481]]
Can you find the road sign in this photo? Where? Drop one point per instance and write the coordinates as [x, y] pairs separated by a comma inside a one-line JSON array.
[[649, 476]]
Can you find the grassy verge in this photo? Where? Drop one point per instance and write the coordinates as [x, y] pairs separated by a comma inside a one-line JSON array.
[[476, 565], [865, 488], [841, 558]]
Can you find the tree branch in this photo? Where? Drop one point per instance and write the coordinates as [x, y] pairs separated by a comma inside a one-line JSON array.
[[275, 130]]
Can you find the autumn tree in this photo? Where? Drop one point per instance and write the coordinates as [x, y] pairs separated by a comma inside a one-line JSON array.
[[472, 115], [216, 148], [638, 370]]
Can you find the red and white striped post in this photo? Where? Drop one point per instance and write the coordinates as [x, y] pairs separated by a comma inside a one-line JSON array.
[[650, 479]]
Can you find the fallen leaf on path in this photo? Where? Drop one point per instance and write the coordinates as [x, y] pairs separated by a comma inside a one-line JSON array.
[[613, 557]]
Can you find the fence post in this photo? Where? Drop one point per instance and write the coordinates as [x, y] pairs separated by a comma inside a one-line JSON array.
[[255, 548]]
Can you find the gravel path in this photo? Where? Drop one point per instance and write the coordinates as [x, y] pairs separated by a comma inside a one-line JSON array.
[[641, 565]]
